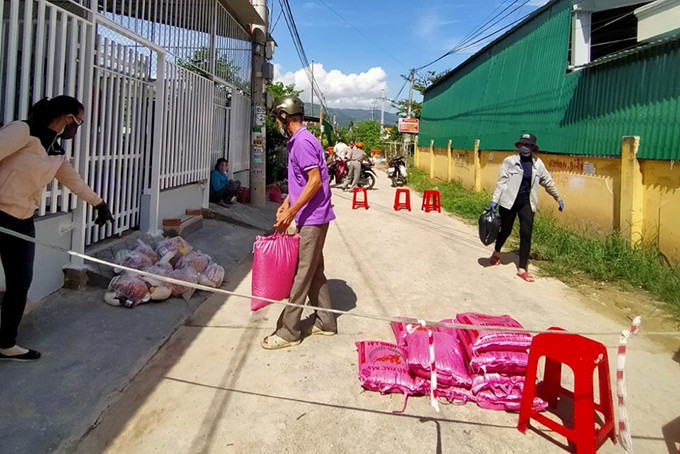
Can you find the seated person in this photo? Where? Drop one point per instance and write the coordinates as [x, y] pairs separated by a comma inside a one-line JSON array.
[[222, 189]]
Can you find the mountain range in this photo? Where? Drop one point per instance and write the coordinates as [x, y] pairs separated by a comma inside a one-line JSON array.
[[344, 116]]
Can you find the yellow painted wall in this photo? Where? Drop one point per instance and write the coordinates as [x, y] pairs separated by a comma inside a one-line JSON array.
[[661, 199], [590, 188]]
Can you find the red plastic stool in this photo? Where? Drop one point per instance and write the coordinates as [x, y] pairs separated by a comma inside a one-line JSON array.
[[359, 203], [431, 201], [583, 356], [397, 200]]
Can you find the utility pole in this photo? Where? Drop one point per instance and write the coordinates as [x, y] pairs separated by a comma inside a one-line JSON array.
[[410, 92], [312, 88], [382, 114], [260, 34], [407, 137]]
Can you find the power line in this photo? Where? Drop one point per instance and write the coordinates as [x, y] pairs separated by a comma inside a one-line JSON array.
[[297, 43], [466, 43]]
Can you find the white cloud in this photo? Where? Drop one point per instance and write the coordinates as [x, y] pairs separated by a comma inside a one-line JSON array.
[[339, 89], [537, 2]]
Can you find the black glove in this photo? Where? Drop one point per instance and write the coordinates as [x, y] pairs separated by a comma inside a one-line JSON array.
[[103, 214]]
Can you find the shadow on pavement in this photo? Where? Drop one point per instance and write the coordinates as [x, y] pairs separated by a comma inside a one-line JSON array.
[[342, 295]]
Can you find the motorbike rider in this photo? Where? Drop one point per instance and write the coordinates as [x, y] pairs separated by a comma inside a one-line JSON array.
[[340, 149], [354, 159]]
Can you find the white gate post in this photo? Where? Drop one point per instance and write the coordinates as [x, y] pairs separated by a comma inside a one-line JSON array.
[[81, 210], [153, 192]]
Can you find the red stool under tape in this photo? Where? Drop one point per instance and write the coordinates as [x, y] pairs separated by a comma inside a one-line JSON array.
[[583, 356], [397, 199], [359, 203], [431, 201]]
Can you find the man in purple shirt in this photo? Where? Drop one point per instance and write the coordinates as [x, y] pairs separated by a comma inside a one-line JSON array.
[[309, 203]]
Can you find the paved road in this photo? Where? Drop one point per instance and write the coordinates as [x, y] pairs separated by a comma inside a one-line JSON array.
[[211, 388]]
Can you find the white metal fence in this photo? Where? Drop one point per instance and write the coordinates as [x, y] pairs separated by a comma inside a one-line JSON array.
[[187, 126], [239, 138], [107, 57]]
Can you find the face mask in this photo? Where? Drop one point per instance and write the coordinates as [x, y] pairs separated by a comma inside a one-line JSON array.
[[282, 129], [69, 131], [525, 151]]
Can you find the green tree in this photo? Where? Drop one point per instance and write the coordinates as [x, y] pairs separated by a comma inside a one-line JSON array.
[[368, 132], [224, 68], [276, 152], [279, 90]]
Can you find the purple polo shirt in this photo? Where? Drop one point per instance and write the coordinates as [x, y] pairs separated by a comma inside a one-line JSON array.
[[304, 153]]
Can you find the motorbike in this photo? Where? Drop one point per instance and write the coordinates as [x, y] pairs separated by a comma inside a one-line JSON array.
[[396, 171], [337, 170], [367, 176]]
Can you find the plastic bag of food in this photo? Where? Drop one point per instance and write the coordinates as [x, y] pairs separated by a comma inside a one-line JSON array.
[[132, 259], [476, 341], [274, 264], [195, 259], [170, 250], [159, 289], [146, 250], [189, 275], [129, 290], [383, 367], [212, 276], [489, 224]]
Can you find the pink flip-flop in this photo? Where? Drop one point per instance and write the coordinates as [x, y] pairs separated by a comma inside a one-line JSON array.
[[495, 260], [526, 276]]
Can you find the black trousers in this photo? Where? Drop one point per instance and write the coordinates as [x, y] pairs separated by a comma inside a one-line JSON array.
[[226, 193], [526, 226], [17, 261]]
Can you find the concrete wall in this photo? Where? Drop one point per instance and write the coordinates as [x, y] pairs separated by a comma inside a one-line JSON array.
[[172, 203], [47, 270], [591, 188]]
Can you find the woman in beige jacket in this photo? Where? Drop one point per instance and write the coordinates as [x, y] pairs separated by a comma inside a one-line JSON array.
[[30, 157], [517, 194]]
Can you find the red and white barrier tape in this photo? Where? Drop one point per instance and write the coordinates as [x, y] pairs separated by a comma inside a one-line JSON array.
[[410, 328], [624, 425]]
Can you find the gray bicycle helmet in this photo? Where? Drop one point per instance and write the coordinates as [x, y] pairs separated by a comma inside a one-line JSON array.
[[288, 105]]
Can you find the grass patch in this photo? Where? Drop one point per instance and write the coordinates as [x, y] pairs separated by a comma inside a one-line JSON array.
[[562, 251]]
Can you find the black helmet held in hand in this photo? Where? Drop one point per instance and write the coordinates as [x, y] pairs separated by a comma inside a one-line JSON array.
[[288, 105]]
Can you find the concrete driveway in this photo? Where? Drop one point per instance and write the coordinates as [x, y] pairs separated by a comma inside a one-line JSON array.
[[212, 388]]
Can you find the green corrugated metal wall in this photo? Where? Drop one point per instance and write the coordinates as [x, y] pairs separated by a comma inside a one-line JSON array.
[[521, 84]]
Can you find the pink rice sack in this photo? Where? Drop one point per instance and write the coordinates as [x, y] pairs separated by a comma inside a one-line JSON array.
[[501, 392], [479, 340], [274, 264], [488, 401], [448, 358], [514, 363], [456, 395], [383, 368], [399, 329]]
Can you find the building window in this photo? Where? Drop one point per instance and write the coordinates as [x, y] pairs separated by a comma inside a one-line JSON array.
[[613, 30], [597, 32]]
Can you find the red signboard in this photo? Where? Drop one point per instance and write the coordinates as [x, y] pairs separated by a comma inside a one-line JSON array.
[[409, 125]]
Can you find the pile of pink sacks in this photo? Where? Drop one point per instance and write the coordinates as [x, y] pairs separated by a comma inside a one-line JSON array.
[[470, 365], [174, 258]]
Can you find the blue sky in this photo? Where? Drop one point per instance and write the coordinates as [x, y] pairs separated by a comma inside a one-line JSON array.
[[358, 56]]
